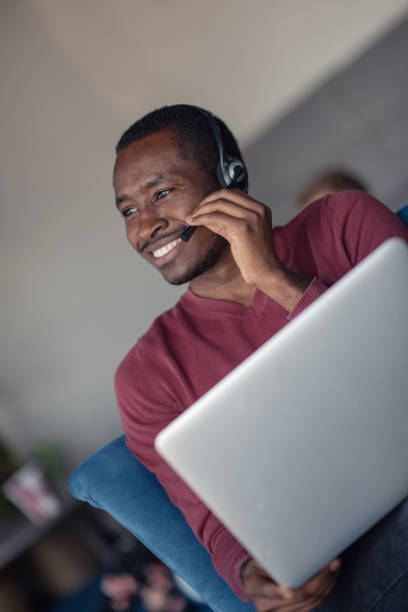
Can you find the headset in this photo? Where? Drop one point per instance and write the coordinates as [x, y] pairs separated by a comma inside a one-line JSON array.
[[231, 173]]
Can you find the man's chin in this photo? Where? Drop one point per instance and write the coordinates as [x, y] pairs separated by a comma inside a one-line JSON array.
[[211, 258], [180, 277], [177, 278], [178, 281]]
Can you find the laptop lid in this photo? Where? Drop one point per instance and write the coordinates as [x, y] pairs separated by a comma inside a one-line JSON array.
[[304, 446]]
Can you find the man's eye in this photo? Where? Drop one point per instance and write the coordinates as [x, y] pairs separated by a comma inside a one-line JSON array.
[[128, 212], [162, 194]]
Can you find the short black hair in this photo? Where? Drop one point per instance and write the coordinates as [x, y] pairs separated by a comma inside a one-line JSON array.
[[193, 131]]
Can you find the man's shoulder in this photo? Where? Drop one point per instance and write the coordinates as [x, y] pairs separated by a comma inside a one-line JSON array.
[[329, 215], [335, 207], [353, 202], [149, 346], [333, 233], [144, 383]]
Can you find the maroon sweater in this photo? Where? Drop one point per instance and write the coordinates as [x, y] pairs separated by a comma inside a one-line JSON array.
[[189, 348]]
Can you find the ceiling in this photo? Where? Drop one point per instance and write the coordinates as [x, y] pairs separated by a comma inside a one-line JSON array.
[[74, 74], [245, 59]]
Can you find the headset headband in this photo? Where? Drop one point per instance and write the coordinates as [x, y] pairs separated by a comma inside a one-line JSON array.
[[231, 172]]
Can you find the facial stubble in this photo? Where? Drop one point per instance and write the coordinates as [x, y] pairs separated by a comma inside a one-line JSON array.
[[213, 255]]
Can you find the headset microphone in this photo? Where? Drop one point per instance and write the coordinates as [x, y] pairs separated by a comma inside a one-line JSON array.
[[188, 232], [231, 173]]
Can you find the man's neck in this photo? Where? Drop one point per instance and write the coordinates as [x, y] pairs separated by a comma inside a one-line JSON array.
[[224, 283]]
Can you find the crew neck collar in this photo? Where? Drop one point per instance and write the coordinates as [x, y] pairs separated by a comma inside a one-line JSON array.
[[191, 300]]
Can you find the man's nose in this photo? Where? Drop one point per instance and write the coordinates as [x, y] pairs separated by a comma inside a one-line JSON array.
[[149, 225]]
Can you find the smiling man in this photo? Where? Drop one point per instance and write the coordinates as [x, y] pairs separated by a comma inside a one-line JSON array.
[[154, 204], [247, 279]]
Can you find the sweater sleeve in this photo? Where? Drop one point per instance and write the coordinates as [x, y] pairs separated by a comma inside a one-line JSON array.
[[362, 223], [314, 290], [146, 407], [343, 230]]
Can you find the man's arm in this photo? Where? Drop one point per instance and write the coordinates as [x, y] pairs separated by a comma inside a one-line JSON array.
[[146, 407]]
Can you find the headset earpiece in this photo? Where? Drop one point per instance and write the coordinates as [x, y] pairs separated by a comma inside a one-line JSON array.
[[231, 173]]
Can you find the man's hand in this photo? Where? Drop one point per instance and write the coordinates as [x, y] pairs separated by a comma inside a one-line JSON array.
[[247, 225], [268, 596]]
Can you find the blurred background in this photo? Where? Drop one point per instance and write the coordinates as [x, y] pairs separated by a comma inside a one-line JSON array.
[[306, 86]]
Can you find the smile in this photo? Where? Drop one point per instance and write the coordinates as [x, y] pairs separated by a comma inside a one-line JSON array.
[[166, 248]]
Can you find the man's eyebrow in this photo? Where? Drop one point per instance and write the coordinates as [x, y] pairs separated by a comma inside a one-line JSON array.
[[157, 180], [120, 199]]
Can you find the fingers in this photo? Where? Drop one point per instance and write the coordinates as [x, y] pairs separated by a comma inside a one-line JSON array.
[[233, 209], [227, 214], [329, 572], [268, 605], [323, 582], [230, 200], [235, 195], [257, 586], [220, 223], [232, 219], [269, 597]]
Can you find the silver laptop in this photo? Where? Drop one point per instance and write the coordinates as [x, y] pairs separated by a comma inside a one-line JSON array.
[[304, 446]]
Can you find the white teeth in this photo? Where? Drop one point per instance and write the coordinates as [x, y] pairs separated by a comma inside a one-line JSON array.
[[166, 248]]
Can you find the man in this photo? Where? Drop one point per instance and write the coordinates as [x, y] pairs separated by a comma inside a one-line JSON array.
[[329, 181], [246, 281]]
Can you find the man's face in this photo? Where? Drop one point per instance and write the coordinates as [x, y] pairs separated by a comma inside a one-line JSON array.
[[155, 190]]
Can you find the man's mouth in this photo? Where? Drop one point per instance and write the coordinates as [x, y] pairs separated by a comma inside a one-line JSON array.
[[166, 248]]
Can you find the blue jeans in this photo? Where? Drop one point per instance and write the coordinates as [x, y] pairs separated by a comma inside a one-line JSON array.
[[374, 573]]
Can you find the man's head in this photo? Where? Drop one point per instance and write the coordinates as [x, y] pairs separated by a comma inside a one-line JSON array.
[[166, 164], [194, 134], [329, 181]]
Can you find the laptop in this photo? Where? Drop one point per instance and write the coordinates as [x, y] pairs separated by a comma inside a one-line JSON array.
[[304, 446]]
